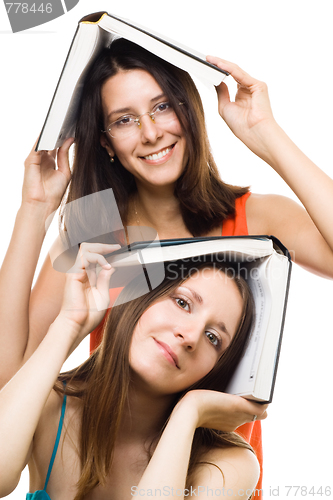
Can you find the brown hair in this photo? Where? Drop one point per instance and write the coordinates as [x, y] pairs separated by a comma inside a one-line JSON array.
[[205, 200], [102, 382]]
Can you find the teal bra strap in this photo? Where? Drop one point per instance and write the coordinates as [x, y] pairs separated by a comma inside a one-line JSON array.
[[56, 444]]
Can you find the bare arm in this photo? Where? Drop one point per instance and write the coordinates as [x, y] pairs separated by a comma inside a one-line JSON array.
[[22, 401], [168, 466], [43, 188], [45, 304], [24, 396], [306, 233]]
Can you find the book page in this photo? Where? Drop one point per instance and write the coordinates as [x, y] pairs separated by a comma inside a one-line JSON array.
[[223, 249], [244, 377], [175, 54], [277, 272]]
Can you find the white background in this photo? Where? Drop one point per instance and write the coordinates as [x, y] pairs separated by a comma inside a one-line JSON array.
[[288, 44]]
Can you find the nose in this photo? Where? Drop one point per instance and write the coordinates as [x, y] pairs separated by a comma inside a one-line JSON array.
[[150, 132], [189, 336]]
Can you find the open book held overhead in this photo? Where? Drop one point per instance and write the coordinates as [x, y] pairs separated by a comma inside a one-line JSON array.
[[94, 32]]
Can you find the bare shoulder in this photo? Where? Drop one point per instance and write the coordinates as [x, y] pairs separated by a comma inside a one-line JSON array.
[[49, 419], [46, 433], [265, 211], [257, 202], [44, 439], [52, 410], [236, 468], [288, 221]]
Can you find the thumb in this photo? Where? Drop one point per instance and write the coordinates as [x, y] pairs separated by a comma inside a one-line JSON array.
[[223, 96], [102, 286], [62, 157]]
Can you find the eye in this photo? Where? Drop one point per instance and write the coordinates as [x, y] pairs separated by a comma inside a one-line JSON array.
[[163, 107], [183, 303], [123, 121], [213, 339]]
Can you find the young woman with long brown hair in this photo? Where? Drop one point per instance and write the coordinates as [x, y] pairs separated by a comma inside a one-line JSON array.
[[163, 176], [143, 415]]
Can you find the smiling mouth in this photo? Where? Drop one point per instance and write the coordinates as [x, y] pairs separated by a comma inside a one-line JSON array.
[[159, 155]]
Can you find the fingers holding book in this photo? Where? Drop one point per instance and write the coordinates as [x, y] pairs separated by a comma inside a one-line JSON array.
[[46, 176], [251, 104], [86, 294]]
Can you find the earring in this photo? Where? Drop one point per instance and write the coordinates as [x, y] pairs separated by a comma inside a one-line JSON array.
[[111, 159]]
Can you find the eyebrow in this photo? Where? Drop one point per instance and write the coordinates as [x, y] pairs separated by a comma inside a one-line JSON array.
[[122, 111], [224, 329], [199, 299]]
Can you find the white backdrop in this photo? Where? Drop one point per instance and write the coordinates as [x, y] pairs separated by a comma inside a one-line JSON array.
[[288, 45]]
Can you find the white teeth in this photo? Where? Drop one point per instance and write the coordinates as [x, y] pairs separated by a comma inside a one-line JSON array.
[[158, 155]]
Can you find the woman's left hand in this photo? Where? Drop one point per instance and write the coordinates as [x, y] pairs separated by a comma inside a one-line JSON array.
[[251, 112]]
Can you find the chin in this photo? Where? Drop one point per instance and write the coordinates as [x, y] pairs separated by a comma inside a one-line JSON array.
[[167, 180], [153, 383]]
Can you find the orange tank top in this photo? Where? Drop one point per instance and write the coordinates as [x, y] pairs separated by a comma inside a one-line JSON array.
[[251, 432]]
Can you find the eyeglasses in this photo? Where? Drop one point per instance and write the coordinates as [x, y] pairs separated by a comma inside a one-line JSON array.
[[125, 126]]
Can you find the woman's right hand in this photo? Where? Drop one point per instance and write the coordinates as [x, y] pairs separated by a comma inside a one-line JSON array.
[[86, 294], [46, 176], [221, 411]]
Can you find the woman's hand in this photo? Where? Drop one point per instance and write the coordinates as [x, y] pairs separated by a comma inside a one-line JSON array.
[[86, 294], [47, 174], [221, 411], [251, 112]]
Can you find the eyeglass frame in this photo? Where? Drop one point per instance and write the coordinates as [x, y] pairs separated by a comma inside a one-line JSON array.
[[137, 119]]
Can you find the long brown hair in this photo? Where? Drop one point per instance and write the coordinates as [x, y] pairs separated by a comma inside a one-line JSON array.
[[204, 199], [102, 382]]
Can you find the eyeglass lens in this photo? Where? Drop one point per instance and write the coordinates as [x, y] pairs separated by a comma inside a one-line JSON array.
[[128, 124]]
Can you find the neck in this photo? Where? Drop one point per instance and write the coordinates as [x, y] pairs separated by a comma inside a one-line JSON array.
[[160, 210], [140, 425]]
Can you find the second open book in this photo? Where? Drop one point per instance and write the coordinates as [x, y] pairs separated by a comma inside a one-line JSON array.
[[262, 261]]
